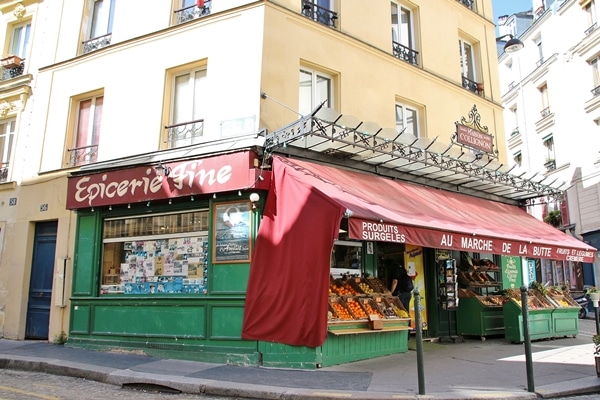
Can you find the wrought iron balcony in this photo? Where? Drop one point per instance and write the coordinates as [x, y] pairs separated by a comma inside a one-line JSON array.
[[596, 91], [320, 14], [9, 73], [514, 132], [545, 112], [470, 4], [192, 12], [185, 133], [591, 29], [550, 165], [405, 53], [471, 85], [3, 172], [83, 155], [96, 43]]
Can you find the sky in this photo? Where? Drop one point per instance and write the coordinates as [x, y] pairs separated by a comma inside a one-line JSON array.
[[509, 7]]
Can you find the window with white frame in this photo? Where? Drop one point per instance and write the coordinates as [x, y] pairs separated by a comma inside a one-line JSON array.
[[401, 25], [548, 143], [518, 158], [407, 119], [515, 118], [20, 40], [590, 11], [595, 75], [315, 88], [102, 18], [545, 100], [87, 130], [188, 110], [467, 59], [7, 132], [540, 50]]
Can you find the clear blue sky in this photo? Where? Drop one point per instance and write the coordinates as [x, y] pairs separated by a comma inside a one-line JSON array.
[[509, 7]]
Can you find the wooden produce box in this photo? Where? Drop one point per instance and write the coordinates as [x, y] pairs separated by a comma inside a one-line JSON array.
[[340, 310], [378, 286]]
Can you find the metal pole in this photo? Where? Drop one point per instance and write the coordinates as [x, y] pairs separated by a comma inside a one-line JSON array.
[[527, 340], [596, 317], [419, 339]]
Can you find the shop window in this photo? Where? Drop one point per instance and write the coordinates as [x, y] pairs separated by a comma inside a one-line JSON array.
[[189, 102], [100, 27], [158, 254], [87, 127], [7, 131], [315, 88], [407, 119]]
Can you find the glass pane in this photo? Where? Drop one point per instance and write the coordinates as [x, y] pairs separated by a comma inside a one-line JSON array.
[[305, 101], [137, 227], [395, 29], [399, 118], [323, 91], [199, 94], [405, 28], [97, 120], [468, 54], [102, 18], [182, 105], [411, 122], [83, 122]]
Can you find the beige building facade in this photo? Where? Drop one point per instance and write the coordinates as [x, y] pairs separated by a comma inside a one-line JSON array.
[[110, 81]]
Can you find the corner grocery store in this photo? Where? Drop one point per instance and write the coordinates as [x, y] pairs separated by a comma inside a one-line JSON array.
[[171, 270]]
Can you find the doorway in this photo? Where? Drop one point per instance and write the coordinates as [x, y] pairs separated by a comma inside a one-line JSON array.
[[40, 282]]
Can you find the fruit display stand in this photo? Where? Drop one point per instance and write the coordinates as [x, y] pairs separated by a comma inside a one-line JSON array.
[[479, 315], [539, 311], [565, 320]]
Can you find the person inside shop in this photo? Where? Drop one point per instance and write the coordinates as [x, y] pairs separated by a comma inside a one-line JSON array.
[[402, 284]]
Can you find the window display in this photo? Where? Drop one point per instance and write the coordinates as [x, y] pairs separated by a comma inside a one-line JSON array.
[[161, 254]]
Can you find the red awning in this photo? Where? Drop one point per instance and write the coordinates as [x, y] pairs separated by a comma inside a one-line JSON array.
[[382, 209], [287, 294]]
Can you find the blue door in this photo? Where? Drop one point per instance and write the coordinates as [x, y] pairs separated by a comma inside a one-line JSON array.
[[40, 284]]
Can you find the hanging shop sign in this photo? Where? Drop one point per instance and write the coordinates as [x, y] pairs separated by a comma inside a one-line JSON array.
[[471, 134], [221, 173], [389, 232]]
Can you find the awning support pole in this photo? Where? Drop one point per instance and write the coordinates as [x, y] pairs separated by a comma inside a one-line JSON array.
[[419, 339]]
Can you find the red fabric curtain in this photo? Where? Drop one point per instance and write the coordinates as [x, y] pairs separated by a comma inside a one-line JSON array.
[[287, 295]]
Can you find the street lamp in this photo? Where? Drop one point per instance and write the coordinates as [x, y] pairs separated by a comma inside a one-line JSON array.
[[513, 45]]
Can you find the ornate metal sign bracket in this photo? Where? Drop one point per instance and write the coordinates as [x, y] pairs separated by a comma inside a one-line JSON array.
[[472, 135]]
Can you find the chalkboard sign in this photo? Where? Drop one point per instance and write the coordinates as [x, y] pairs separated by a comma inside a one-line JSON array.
[[231, 226]]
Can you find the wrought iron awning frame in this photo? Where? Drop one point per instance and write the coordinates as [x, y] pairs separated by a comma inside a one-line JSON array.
[[423, 160]]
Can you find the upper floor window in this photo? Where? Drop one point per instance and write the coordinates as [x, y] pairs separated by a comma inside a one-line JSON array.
[[467, 66], [20, 40], [315, 88], [402, 33], [320, 11], [518, 158], [100, 33], [590, 11], [7, 131], [407, 119], [87, 131], [595, 75], [545, 100], [538, 44], [515, 117], [192, 9], [548, 143], [189, 101]]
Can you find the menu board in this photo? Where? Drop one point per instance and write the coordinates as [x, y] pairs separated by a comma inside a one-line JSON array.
[[231, 229]]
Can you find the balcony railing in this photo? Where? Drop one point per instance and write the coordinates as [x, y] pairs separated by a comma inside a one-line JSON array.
[[550, 165], [192, 12], [470, 4], [591, 29], [539, 62], [9, 73], [185, 133], [320, 14], [545, 112], [3, 172], [472, 85], [596, 91], [96, 43], [83, 155], [405, 53], [514, 132]]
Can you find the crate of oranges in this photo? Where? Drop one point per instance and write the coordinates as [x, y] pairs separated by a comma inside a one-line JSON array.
[[372, 307], [339, 309], [343, 288], [356, 307]]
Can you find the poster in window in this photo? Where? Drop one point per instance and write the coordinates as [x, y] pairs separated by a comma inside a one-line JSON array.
[[231, 232]]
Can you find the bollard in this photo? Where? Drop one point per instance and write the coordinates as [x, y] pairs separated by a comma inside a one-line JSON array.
[[527, 340], [419, 340]]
